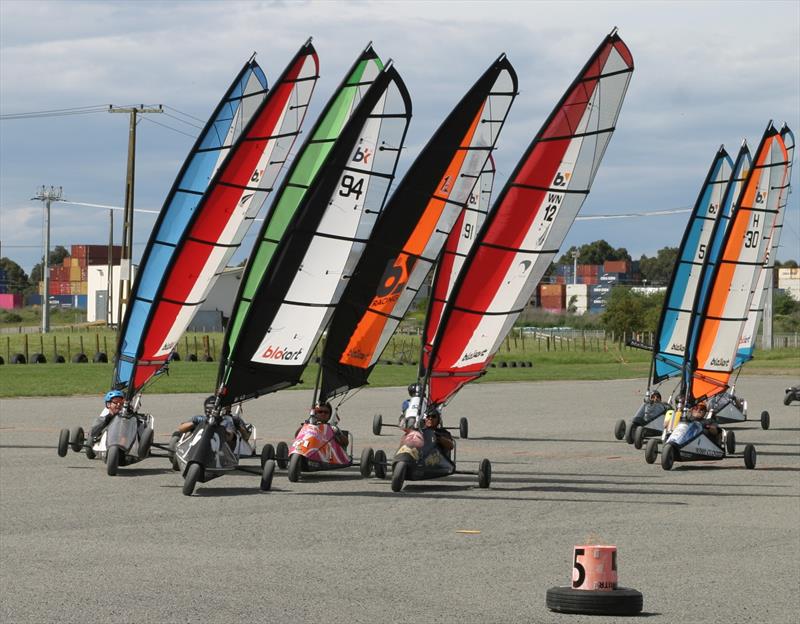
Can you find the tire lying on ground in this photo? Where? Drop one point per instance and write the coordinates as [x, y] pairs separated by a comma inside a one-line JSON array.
[[38, 358], [80, 358], [59, 359], [18, 358], [100, 358], [621, 601]]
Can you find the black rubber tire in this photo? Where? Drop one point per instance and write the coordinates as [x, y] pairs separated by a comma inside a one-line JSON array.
[[621, 601], [174, 357], [192, 357], [398, 475], [100, 358], [379, 464], [667, 456], [651, 451], [76, 438], [18, 358], [112, 461], [619, 429], [63, 442], [2, 361], [173, 446], [638, 438], [765, 420], [629, 431], [267, 472], [367, 459], [730, 442], [59, 359], [295, 467], [377, 424], [193, 475], [463, 428], [750, 456], [38, 358], [145, 442], [90, 454], [484, 473], [267, 453], [282, 455], [787, 398], [207, 358], [80, 358]]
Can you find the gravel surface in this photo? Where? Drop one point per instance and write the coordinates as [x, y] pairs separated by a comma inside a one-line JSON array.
[[706, 542]]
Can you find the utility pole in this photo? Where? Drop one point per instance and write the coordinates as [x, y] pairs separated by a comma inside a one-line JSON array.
[[46, 197], [110, 276], [575, 254], [766, 337], [127, 223]]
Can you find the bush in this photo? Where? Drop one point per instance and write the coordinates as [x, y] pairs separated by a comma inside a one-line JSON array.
[[10, 317]]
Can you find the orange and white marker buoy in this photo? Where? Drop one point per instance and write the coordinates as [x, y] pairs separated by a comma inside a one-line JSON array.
[[594, 587]]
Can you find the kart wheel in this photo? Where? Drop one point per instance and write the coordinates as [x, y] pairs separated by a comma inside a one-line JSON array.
[[398, 475], [651, 451], [463, 428], [787, 398], [267, 472], [112, 461], [765, 419], [367, 459], [173, 447], [90, 454], [377, 423], [621, 601], [730, 442], [145, 442], [295, 464], [485, 473], [380, 464], [638, 438], [267, 453], [667, 457], [63, 442], [629, 431], [619, 429], [750, 456], [282, 455], [76, 439], [193, 474]]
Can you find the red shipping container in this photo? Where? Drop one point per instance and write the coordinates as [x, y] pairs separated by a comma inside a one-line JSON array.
[[9, 301], [79, 251], [617, 266]]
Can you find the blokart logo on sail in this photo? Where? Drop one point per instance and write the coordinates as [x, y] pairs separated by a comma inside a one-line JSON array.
[[280, 353], [355, 354], [362, 155], [720, 362], [473, 355], [678, 347]]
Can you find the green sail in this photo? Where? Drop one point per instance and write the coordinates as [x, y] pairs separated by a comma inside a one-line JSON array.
[[300, 178]]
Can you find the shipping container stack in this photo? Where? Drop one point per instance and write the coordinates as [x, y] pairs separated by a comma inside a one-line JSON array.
[[3, 282], [70, 279], [552, 297], [591, 286]]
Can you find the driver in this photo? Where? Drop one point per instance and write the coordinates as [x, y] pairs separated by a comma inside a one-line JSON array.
[[433, 420], [230, 422], [114, 401], [698, 414], [320, 415]]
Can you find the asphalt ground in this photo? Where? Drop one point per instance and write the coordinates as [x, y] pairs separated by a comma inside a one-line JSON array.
[[706, 542]]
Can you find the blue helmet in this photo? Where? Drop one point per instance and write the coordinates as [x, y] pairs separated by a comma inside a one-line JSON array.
[[113, 394]]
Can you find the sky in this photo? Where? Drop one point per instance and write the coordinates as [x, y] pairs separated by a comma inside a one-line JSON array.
[[706, 74]]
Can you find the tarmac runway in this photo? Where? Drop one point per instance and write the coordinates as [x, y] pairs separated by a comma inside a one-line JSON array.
[[705, 542]]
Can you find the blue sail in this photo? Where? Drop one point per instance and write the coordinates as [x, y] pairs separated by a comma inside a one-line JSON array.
[[231, 115], [693, 254]]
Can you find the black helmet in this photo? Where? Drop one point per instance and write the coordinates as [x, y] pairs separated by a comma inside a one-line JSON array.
[[655, 394], [413, 390], [209, 403]]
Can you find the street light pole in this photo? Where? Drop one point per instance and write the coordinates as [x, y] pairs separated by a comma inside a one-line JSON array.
[[46, 196]]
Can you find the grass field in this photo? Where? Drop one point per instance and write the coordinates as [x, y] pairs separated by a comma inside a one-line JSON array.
[[76, 379]]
